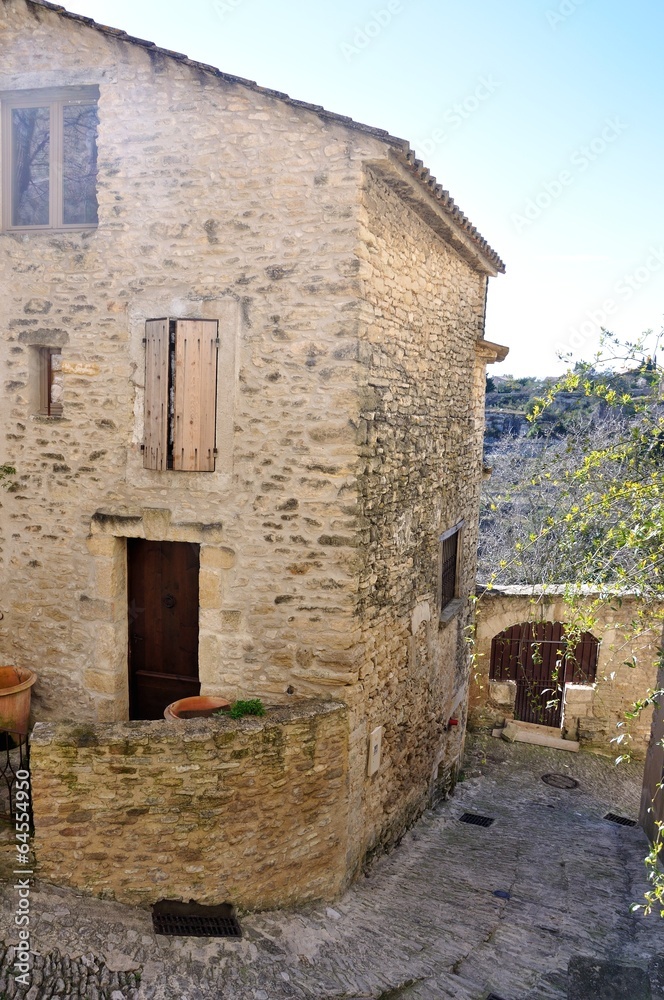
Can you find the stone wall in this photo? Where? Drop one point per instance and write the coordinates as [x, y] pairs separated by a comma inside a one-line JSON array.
[[219, 202], [594, 715], [252, 812], [422, 423]]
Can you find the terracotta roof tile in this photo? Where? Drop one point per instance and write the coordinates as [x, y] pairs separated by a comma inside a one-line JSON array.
[[415, 165]]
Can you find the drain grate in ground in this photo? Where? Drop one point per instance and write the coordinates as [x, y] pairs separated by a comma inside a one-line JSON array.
[[560, 781], [194, 920], [621, 820], [476, 820]]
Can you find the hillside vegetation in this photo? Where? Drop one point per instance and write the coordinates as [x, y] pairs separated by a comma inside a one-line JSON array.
[[532, 488]]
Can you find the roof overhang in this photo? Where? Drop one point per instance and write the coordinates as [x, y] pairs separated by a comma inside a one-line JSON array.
[[489, 352], [418, 190]]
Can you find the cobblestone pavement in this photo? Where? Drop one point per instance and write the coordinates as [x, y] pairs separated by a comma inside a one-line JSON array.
[[425, 923]]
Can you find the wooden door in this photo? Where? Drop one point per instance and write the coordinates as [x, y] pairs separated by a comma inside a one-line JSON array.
[[163, 625], [540, 659]]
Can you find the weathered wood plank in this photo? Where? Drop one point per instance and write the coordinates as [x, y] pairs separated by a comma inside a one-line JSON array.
[[155, 440], [195, 395]]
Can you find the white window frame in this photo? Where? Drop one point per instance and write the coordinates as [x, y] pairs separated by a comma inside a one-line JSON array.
[[56, 100]]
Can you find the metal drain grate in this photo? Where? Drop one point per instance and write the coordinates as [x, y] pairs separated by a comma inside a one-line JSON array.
[[560, 781], [194, 920], [475, 820], [621, 820]]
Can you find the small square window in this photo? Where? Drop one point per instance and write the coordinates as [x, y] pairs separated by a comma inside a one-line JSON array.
[[50, 381], [49, 159]]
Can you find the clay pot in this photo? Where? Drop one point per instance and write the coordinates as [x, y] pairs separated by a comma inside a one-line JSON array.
[[15, 685], [195, 708]]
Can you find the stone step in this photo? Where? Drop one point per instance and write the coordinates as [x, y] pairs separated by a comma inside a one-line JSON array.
[[542, 736]]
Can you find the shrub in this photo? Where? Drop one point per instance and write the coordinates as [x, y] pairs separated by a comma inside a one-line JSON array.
[[252, 706]]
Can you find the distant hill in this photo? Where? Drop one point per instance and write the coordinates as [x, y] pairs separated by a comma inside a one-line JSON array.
[[509, 402]]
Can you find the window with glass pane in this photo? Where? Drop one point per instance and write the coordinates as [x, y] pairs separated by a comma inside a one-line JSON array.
[[50, 159], [79, 164], [31, 152]]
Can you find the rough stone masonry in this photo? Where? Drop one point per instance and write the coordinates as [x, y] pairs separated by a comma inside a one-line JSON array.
[[350, 295]]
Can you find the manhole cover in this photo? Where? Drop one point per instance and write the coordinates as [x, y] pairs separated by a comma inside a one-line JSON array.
[[194, 920], [621, 820], [475, 820], [560, 781]]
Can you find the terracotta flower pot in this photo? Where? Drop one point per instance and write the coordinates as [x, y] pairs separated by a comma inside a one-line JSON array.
[[15, 685], [195, 708]]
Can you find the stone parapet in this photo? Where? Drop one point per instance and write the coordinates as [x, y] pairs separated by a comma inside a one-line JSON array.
[[251, 811]]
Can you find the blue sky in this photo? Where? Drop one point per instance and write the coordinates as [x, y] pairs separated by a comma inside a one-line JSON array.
[[543, 118]]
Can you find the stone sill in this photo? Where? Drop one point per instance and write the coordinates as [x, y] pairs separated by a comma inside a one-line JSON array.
[[450, 611]]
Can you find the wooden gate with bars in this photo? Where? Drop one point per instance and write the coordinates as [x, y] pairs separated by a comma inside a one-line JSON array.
[[541, 660]]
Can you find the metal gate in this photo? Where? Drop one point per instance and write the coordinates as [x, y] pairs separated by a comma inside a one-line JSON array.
[[14, 769], [541, 660]]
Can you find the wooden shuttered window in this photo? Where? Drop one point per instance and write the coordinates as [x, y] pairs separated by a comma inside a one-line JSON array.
[[195, 394], [181, 394], [155, 444]]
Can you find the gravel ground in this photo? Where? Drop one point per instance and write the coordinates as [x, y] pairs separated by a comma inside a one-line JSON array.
[[424, 923]]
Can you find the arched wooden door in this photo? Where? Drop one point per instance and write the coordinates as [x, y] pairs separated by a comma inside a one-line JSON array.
[[541, 660]]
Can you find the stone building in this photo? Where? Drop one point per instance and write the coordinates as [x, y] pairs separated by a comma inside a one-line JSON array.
[[243, 357]]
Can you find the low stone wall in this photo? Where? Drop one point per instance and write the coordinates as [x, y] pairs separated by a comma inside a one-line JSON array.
[[591, 713], [252, 812]]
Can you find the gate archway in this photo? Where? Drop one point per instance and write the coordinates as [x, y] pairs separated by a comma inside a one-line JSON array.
[[541, 660]]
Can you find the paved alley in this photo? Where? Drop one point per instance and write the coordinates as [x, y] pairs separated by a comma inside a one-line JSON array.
[[425, 923]]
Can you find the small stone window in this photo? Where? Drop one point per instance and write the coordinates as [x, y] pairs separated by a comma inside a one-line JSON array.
[[448, 577], [50, 382], [49, 159]]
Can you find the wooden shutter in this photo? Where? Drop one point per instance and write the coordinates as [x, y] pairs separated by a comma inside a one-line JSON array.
[[155, 443], [195, 395]]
